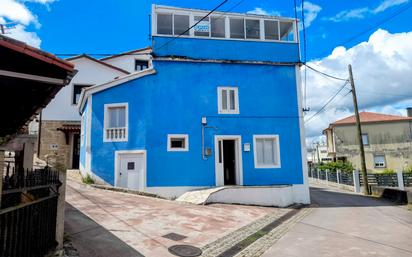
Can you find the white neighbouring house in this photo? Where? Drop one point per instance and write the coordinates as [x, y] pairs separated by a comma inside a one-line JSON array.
[[59, 136]]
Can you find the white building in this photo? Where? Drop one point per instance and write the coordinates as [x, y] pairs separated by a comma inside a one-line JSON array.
[[60, 120]]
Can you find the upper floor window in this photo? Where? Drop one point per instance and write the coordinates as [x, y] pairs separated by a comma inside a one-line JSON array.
[[365, 139], [228, 100], [165, 23], [170, 21], [218, 28], [266, 151], [237, 28], [116, 122], [77, 90], [140, 65]]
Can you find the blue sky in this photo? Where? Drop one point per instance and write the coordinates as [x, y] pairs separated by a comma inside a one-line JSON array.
[[380, 57], [108, 26]]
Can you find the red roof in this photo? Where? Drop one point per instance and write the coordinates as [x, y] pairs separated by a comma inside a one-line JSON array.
[[34, 52], [370, 117]]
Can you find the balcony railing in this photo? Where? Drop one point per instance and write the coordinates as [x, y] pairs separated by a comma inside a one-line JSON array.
[[116, 134]]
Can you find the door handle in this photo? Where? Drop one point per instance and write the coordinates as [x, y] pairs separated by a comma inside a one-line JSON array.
[[120, 173]]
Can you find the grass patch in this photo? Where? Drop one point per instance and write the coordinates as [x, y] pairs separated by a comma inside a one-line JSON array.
[[87, 179]]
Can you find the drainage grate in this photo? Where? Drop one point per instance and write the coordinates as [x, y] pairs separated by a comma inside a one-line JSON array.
[[174, 236], [185, 250]]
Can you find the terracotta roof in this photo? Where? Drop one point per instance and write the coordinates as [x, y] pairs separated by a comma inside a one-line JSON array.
[[34, 52], [98, 61], [370, 117], [126, 53], [69, 127]]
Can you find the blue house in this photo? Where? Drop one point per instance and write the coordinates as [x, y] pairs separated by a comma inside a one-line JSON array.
[[219, 105]]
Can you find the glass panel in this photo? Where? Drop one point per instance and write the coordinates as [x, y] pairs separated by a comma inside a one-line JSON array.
[[203, 28], [130, 165], [259, 151], [252, 29], [365, 139], [117, 117], [232, 99], [177, 143], [271, 30], [268, 152], [121, 117], [164, 24], [181, 23], [237, 28], [286, 31], [218, 26], [224, 99]]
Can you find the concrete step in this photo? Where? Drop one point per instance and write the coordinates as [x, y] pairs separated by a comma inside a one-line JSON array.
[[198, 196]]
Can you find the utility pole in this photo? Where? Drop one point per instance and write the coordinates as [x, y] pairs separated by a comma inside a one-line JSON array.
[[317, 151], [366, 190]]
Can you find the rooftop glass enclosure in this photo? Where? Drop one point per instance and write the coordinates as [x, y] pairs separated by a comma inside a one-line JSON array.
[[170, 21]]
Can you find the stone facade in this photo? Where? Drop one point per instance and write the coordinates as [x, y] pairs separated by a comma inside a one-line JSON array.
[[393, 140], [55, 148]]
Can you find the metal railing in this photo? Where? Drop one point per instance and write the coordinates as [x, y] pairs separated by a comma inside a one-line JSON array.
[[29, 178], [29, 229]]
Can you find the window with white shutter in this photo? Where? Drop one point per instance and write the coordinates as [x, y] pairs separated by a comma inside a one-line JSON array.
[[266, 151]]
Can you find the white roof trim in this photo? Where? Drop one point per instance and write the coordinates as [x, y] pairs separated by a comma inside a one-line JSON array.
[[97, 88]]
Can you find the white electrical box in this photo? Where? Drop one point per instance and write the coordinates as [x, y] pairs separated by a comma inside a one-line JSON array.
[[246, 147]]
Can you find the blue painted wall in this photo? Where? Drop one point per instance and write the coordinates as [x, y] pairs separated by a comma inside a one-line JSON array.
[[240, 50], [173, 100]]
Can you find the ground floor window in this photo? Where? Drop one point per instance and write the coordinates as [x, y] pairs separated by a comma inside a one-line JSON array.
[[379, 161], [177, 142], [266, 151]]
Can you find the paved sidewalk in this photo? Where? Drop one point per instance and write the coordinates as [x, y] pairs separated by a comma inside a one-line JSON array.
[[344, 224], [118, 224]]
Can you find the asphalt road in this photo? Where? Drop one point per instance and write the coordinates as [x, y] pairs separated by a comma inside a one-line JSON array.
[[345, 224]]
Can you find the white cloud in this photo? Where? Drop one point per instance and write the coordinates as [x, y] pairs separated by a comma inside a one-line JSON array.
[[311, 12], [382, 72], [19, 17], [361, 13], [261, 11]]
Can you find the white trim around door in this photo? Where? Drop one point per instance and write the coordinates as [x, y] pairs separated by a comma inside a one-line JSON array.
[[238, 155], [142, 175]]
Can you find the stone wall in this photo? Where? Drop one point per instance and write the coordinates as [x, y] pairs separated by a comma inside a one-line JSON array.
[[53, 146]]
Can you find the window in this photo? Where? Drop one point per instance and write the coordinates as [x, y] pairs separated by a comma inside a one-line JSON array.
[[271, 30], [177, 143], [165, 23], [181, 24], [286, 31], [228, 100], [203, 28], [237, 28], [266, 151], [77, 89], [140, 65], [365, 139], [217, 27], [116, 122], [253, 29], [379, 161], [130, 165]]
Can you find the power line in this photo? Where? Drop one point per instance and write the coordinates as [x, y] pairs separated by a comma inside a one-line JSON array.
[[324, 74], [184, 32], [328, 102]]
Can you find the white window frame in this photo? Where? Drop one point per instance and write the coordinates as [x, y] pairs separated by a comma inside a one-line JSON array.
[[106, 121], [219, 100], [277, 157], [180, 136], [384, 161], [82, 123]]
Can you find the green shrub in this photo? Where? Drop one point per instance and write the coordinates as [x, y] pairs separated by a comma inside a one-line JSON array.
[[408, 170], [387, 171], [338, 165], [87, 179]]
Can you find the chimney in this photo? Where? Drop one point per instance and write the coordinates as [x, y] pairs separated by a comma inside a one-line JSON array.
[[409, 111]]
